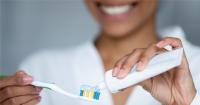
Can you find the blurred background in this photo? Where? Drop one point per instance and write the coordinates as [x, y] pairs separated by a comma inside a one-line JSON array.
[[28, 26]]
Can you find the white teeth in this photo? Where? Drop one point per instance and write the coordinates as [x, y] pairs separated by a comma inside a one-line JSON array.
[[116, 10]]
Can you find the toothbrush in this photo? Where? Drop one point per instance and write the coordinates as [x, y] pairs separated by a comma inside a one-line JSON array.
[[83, 95], [87, 92]]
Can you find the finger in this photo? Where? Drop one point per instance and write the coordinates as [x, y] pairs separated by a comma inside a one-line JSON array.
[[147, 55], [174, 42], [131, 60], [15, 91], [19, 100], [19, 78], [118, 65], [34, 101]]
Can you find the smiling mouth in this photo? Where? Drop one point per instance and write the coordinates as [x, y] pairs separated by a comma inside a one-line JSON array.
[[115, 10]]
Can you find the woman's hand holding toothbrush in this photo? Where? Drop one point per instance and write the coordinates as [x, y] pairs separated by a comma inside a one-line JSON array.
[[16, 90], [174, 87]]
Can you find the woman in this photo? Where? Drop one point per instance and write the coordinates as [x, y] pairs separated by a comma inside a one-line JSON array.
[[127, 36]]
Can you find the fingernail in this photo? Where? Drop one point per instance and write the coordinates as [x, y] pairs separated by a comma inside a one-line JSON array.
[[27, 79], [139, 66], [159, 44], [115, 70]]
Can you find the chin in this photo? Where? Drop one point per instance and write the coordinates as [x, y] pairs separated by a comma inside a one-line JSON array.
[[119, 30], [118, 33]]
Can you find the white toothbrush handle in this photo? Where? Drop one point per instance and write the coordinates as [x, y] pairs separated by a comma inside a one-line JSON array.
[[41, 84], [54, 88]]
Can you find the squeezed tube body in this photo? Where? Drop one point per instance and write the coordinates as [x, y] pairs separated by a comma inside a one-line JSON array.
[[157, 65]]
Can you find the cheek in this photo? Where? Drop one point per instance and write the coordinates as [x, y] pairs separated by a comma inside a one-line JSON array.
[[92, 9], [147, 9]]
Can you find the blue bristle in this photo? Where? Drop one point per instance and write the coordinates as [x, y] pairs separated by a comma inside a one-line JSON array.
[[96, 95], [81, 92]]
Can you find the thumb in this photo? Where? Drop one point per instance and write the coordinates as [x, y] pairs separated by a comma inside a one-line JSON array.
[[19, 78]]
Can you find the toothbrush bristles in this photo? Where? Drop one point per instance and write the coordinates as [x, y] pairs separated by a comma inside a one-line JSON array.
[[90, 92]]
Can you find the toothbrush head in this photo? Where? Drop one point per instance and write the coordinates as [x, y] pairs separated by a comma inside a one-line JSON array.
[[90, 92]]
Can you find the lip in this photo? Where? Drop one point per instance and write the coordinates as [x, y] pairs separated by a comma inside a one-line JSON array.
[[115, 3], [119, 17]]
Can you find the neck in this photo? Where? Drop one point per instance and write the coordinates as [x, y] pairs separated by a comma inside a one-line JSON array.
[[111, 49]]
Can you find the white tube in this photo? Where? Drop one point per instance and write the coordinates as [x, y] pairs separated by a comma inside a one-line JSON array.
[[157, 65]]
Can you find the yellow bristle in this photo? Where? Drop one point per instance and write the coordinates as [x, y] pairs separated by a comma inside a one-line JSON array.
[[91, 94], [87, 94]]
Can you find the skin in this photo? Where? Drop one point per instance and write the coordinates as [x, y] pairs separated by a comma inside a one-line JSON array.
[[15, 90], [136, 38], [121, 44], [177, 83]]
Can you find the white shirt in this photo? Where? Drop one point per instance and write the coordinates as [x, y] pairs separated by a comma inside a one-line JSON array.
[[73, 67]]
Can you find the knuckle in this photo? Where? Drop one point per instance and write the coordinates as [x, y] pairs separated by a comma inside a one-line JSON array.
[[178, 40], [127, 63], [118, 63], [167, 38], [133, 51], [173, 38], [18, 75], [7, 91], [137, 50], [143, 57], [12, 101], [153, 47], [20, 72]]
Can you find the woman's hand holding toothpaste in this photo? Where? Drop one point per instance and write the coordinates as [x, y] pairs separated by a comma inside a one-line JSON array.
[[174, 87]]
